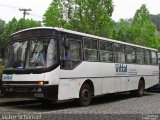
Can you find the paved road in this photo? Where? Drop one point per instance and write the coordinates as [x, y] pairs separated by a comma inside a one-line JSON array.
[[119, 106]]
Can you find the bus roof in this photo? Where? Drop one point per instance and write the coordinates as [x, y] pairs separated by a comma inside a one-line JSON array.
[[34, 28], [85, 35]]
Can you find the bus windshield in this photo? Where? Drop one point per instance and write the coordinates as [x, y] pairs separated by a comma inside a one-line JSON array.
[[31, 54]]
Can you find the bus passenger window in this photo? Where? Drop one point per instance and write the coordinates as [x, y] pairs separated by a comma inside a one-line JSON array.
[[140, 56], [90, 50], [91, 55], [119, 53], [154, 57], [106, 51], [87, 43], [147, 57], [72, 55], [131, 54]]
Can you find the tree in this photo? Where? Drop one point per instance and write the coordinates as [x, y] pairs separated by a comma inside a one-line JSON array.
[[157, 43], [143, 30], [2, 25], [93, 17], [87, 16], [13, 26], [54, 14], [156, 20], [123, 31], [10, 27]]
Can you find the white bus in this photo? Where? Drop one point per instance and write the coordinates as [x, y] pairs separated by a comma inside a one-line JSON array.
[[58, 64]]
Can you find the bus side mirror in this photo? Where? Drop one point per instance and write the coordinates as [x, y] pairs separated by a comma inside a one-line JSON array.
[[66, 43]]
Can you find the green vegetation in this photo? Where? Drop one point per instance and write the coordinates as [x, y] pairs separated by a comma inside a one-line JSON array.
[[89, 16], [2, 26], [1, 70], [141, 30], [13, 26], [7, 29], [94, 17]]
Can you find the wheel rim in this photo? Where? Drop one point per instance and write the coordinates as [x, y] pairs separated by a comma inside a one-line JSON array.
[[85, 95]]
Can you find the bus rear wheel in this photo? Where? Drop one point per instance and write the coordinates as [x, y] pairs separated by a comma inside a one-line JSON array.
[[85, 95], [140, 91], [141, 87]]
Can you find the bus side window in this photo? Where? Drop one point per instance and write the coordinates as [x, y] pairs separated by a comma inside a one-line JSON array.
[[106, 51], [119, 53], [72, 54], [90, 50], [140, 56], [147, 57], [154, 57], [131, 54]]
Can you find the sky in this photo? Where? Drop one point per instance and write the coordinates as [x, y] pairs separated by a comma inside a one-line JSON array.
[[126, 8], [122, 8]]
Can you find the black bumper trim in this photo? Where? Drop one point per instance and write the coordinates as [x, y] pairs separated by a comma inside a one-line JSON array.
[[50, 92], [23, 82]]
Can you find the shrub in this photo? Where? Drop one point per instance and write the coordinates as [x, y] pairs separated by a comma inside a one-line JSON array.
[[1, 70]]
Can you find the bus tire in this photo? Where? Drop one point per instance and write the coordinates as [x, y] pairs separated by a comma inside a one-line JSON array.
[[141, 87], [140, 91], [85, 95]]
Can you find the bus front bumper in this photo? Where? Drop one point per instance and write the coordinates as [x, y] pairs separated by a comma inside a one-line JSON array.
[[49, 92]]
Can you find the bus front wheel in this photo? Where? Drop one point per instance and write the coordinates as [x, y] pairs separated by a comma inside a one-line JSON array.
[[85, 95]]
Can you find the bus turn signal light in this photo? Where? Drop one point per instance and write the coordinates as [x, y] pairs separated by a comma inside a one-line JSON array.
[[40, 83]]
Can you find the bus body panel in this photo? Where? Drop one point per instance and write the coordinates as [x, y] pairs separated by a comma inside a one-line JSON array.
[[69, 88], [105, 78], [53, 76], [23, 77], [83, 70]]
